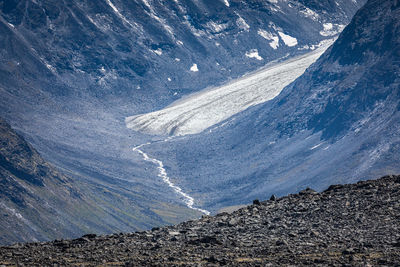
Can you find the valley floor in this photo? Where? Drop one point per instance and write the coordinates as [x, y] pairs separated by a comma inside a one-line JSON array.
[[355, 225]]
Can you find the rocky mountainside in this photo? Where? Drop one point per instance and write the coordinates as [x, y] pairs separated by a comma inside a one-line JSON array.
[[339, 119], [152, 51], [345, 225], [39, 203], [71, 71]]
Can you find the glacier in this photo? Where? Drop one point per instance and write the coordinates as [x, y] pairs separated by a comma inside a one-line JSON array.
[[199, 111]]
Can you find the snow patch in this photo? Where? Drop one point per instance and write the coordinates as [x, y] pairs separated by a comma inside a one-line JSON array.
[[193, 29], [158, 51], [102, 25], [50, 67], [316, 146], [122, 17], [47, 64], [215, 27], [241, 23], [310, 14], [270, 37], [253, 54], [163, 22], [331, 29], [194, 68], [287, 39]]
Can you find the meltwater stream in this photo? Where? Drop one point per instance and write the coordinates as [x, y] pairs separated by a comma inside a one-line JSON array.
[[162, 173]]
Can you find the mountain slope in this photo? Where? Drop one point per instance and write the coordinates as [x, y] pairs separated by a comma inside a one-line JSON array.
[[154, 51], [339, 119], [353, 225], [38, 203], [71, 71]]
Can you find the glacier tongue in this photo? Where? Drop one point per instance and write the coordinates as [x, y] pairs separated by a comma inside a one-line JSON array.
[[197, 112]]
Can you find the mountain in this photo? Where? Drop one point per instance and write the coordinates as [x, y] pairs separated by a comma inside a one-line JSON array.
[[38, 203], [339, 119], [153, 51], [71, 71], [354, 225]]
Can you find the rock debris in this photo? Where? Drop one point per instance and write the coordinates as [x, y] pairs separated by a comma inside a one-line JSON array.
[[346, 225]]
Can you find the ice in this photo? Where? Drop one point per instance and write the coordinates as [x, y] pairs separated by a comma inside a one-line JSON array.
[[331, 29], [160, 20], [194, 68], [316, 146], [116, 11], [158, 51], [270, 37], [253, 54], [241, 23], [215, 27], [50, 67], [197, 112], [310, 14], [287, 39]]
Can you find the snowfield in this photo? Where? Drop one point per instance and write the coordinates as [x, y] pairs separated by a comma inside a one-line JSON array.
[[199, 111]]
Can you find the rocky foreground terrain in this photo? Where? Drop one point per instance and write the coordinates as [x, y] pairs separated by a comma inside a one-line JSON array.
[[357, 225]]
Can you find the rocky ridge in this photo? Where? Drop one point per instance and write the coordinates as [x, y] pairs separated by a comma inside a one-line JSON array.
[[356, 224]]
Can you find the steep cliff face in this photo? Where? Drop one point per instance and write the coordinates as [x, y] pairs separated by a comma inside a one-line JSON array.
[[357, 77], [340, 118]]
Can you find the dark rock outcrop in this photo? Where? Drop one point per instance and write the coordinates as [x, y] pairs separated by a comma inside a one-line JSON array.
[[356, 224]]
